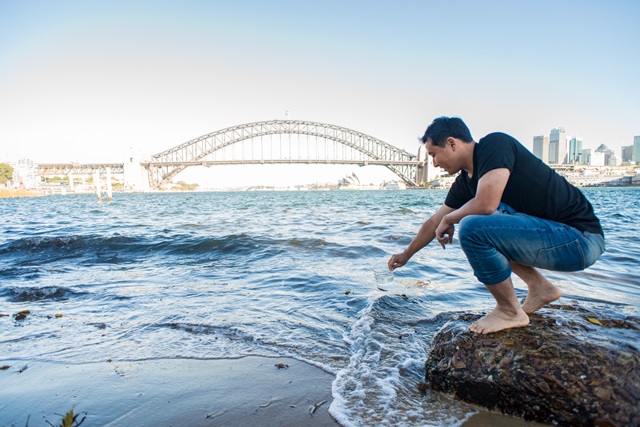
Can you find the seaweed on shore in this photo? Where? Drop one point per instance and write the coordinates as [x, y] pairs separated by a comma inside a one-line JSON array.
[[68, 420]]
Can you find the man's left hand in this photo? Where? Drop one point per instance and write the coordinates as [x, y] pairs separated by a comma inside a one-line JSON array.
[[444, 232]]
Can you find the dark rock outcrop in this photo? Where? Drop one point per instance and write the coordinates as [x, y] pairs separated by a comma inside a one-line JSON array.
[[569, 366]]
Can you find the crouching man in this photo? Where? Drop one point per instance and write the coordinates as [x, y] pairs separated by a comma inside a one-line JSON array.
[[514, 214]]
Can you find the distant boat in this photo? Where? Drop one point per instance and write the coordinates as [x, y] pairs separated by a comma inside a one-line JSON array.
[[395, 186]]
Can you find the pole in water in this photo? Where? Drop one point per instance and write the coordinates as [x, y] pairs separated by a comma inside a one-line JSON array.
[[96, 181], [109, 190]]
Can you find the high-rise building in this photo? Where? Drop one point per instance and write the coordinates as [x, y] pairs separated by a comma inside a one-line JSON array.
[[575, 150], [627, 154], [636, 149], [541, 147], [586, 156], [609, 155], [557, 146], [597, 159]]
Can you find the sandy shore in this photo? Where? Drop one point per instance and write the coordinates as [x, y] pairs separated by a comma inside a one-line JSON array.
[[6, 193], [250, 391]]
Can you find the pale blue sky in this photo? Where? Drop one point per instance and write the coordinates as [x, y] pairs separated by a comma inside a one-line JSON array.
[[86, 80]]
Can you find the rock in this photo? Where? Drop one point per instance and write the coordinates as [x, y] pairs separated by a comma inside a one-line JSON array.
[[562, 369]]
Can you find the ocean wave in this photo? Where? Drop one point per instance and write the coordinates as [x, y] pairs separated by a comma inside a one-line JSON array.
[[238, 243], [29, 294], [23, 272], [66, 243], [229, 244]]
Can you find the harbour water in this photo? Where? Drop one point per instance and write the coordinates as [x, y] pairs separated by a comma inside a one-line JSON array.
[[230, 274]]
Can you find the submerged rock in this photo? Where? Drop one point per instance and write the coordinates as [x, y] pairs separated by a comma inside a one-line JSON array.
[[569, 366]]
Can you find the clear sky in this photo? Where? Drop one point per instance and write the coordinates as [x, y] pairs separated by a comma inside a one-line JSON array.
[[88, 80]]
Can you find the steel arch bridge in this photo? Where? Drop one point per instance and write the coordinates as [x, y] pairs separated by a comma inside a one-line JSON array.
[[315, 143]]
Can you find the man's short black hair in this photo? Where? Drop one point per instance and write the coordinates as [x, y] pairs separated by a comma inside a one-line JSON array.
[[444, 127]]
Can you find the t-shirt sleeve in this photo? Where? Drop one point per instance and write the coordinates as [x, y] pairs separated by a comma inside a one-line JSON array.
[[498, 151], [458, 194]]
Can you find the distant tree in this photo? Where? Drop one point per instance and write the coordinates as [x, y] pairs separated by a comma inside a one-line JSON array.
[[6, 173], [183, 186]]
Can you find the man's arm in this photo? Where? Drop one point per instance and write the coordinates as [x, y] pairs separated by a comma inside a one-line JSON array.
[[488, 196], [425, 235]]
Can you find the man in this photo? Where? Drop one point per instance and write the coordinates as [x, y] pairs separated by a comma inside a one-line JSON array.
[[514, 213]]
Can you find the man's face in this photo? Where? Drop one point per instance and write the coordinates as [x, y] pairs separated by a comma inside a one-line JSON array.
[[443, 157]]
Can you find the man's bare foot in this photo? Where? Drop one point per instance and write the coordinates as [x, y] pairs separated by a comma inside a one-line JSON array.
[[541, 291], [540, 296], [498, 320]]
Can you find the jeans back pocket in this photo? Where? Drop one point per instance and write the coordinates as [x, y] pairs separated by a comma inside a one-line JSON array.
[[566, 257]]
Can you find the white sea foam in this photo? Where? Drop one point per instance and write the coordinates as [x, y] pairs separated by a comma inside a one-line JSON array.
[[379, 384]]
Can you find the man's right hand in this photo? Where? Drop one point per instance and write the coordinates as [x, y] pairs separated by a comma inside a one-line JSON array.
[[398, 260], [425, 236]]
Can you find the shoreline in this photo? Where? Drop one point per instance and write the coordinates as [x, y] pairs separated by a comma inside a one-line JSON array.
[[225, 392]]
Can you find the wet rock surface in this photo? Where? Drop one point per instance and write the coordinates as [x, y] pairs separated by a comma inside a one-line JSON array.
[[570, 366]]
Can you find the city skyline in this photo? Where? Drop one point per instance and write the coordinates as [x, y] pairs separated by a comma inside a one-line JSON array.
[[88, 82], [559, 148]]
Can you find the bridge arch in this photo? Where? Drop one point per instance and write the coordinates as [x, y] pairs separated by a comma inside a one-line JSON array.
[[357, 148]]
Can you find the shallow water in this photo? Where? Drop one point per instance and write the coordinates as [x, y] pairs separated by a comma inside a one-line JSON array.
[[222, 275]]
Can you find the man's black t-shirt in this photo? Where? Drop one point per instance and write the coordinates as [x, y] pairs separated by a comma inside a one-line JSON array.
[[533, 187]]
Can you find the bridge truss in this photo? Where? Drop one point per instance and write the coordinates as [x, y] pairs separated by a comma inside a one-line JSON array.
[[78, 168], [271, 142]]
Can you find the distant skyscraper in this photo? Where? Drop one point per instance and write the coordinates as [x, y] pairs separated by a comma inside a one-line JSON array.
[[597, 159], [557, 146], [609, 155], [575, 150], [541, 147], [627, 154], [636, 149]]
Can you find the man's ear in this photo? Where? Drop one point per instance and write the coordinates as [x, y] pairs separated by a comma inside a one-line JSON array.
[[451, 142]]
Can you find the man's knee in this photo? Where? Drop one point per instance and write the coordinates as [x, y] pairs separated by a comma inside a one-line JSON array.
[[468, 228], [475, 235]]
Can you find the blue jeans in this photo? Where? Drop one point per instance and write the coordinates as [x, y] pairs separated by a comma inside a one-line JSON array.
[[491, 241]]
